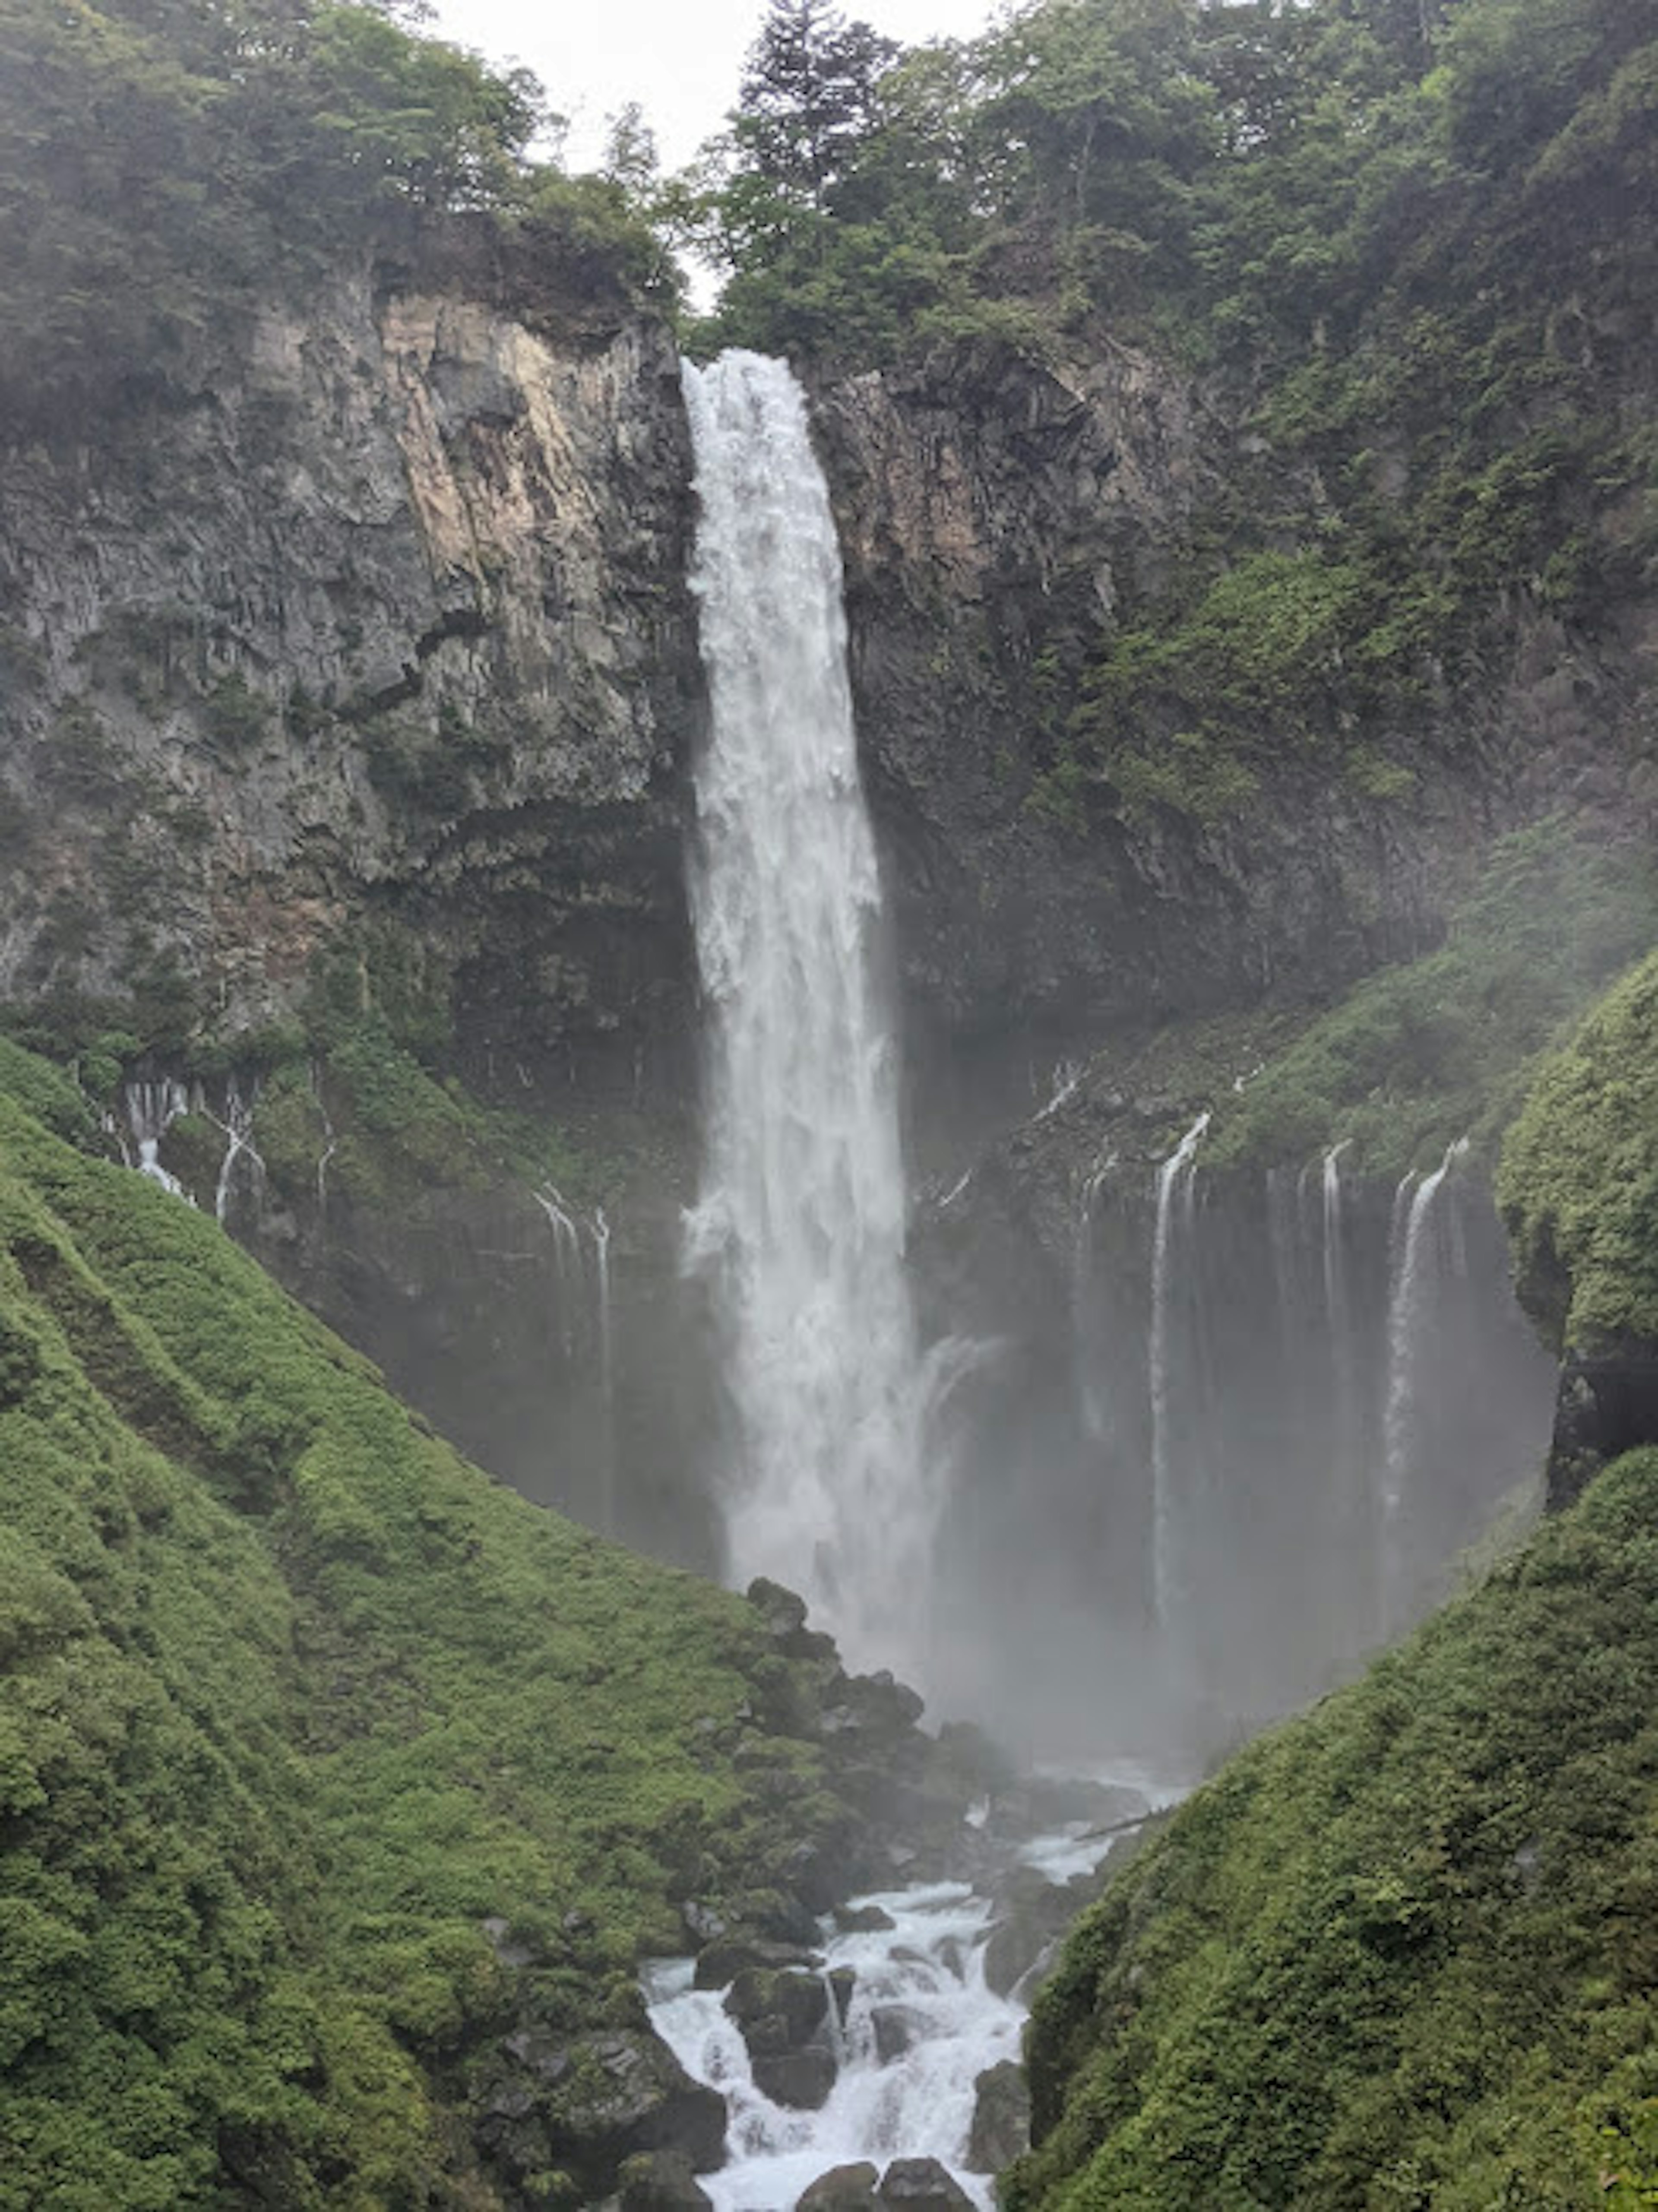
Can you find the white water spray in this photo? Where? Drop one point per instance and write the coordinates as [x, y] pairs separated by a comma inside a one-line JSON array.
[[926, 1972], [1175, 1182], [800, 1226]]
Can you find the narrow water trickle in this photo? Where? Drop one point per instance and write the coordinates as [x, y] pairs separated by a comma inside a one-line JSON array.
[[800, 1221], [1174, 1187]]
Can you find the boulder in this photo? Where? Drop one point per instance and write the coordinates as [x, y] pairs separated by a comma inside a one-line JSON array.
[[895, 2029], [1001, 2118], [626, 2093], [661, 2181], [777, 2011], [722, 1962], [802, 2080], [921, 2184], [784, 1615], [1041, 1803], [843, 2189], [1031, 1912], [863, 1920]]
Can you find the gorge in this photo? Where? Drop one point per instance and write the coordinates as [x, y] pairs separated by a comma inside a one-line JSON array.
[[968, 944]]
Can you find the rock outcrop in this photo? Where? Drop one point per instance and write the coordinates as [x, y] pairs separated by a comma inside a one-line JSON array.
[[1001, 520]]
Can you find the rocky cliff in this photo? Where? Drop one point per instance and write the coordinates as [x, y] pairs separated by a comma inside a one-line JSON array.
[[386, 619], [1003, 521]]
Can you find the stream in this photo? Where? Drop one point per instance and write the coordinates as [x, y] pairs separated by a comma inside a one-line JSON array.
[[921, 2027]]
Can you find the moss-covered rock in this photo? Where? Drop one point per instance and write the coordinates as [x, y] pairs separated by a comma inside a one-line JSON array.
[[1579, 1183], [1400, 1950]]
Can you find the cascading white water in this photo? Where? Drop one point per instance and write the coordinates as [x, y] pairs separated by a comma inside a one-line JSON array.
[[799, 1225], [1409, 1302], [927, 1970], [1174, 1185], [151, 1110]]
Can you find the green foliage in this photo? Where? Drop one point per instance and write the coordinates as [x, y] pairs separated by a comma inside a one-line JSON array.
[[1399, 1951], [1578, 1187], [291, 1699], [44, 1090], [1443, 1047]]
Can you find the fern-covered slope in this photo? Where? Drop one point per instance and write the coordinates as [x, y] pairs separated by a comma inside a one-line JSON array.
[[1399, 1952], [292, 1702]]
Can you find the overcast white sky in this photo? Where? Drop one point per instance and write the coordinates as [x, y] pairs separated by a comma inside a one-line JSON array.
[[679, 58]]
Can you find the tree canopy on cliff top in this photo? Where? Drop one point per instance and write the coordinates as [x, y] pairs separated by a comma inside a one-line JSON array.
[[1245, 170], [165, 162]]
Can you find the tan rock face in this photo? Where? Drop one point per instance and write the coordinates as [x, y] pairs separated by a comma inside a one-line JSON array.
[[397, 599]]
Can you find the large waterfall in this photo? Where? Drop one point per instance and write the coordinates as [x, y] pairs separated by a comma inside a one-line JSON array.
[[799, 1225]]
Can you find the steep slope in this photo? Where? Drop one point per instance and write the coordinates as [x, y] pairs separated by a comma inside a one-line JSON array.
[[341, 1789], [1398, 1950]]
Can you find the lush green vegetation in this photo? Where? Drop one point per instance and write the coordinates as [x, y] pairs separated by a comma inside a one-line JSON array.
[[1400, 1953], [1444, 1047], [164, 168], [1579, 1182], [291, 1699]]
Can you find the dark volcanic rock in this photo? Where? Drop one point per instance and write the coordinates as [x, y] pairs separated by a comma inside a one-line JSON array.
[[1607, 1404], [595, 2103], [661, 2181], [921, 2184], [895, 2026], [734, 1955], [777, 2010], [800, 2078], [1033, 1913], [863, 1920], [1001, 2118], [843, 2189], [842, 1985]]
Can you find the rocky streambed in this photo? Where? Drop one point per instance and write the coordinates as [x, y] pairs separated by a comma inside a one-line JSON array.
[[879, 2066]]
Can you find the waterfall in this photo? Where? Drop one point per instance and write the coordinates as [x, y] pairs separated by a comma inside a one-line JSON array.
[[1176, 1179], [799, 1224], [151, 1110], [567, 1277], [237, 1130], [1410, 1304], [1346, 1428], [1090, 1401]]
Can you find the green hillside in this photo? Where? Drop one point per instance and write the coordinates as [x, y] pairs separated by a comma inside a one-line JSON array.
[[293, 1702]]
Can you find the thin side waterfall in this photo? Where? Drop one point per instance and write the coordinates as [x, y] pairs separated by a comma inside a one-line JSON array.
[[567, 1268], [800, 1221], [1409, 1304], [1354, 1511], [1175, 1179], [237, 1130], [1090, 1401]]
